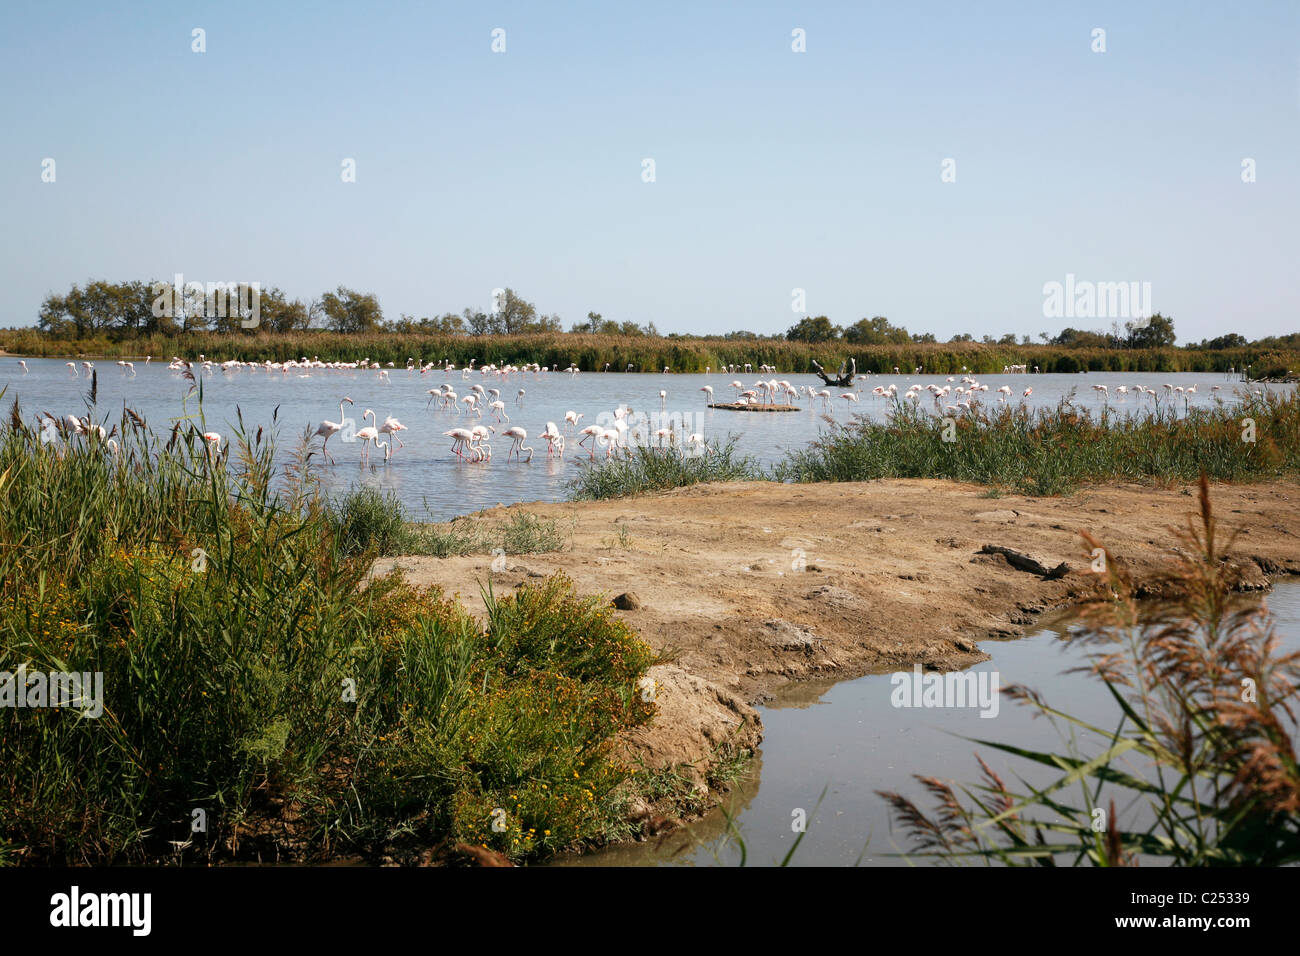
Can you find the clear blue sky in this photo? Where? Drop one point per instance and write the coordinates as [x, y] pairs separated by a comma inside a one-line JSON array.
[[775, 170]]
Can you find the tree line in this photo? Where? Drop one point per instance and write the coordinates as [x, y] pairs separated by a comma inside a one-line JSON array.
[[1153, 333], [124, 310]]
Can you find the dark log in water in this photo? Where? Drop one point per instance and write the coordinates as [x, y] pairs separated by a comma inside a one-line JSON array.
[[743, 407]]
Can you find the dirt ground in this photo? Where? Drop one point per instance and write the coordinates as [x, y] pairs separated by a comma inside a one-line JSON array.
[[755, 584]]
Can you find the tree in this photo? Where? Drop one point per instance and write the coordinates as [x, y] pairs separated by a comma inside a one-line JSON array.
[[352, 312], [278, 314], [963, 337], [1230, 341], [515, 316], [1157, 332], [817, 329], [478, 323], [876, 331]]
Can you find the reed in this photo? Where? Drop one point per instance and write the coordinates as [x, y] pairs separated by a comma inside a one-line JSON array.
[[1048, 451], [1202, 758], [615, 353], [254, 672]]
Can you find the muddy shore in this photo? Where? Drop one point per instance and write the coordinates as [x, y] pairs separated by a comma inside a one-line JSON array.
[[751, 585]]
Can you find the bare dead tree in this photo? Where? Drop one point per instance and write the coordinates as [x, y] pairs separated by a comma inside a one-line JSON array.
[[843, 378]]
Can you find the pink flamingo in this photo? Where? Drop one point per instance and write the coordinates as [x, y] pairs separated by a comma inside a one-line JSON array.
[[461, 436], [517, 436], [329, 429]]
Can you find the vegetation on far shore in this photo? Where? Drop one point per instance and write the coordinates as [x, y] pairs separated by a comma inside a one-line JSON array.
[[134, 319], [615, 353], [1035, 451]]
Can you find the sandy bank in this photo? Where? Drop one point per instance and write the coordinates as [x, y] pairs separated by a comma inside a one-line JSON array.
[[755, 584]]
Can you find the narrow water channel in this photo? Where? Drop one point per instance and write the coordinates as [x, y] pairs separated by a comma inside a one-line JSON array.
[[848, 741]]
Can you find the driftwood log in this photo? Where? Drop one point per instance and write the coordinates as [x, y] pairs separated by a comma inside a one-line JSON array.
[[843, 378], [1018, 559]]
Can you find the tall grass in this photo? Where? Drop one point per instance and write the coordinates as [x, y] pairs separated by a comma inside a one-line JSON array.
[[1052, 450], [594, 353], [251, 670], [645, 468], [1204, 745]]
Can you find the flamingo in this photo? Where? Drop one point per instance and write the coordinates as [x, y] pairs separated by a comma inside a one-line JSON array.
[[482, 450], [571, 418], [212, 438], [708, 394], [368, 434], [498, 408], [610, 437], [461, 436], [329, 429], [1028, 391], [592, 432], [391, 427], [553, 438], [24, 365], [517, 436]]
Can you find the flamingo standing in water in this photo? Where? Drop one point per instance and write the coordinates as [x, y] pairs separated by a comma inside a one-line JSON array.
[[610, 437], [482, 450], [461, 437], [368, 434], [554, 440], [517, 437], [391, 427], [592, 432], [708, 394], [329, 429]]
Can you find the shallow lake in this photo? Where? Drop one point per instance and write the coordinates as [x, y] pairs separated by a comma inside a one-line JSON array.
[[849, 740], [436, 485]]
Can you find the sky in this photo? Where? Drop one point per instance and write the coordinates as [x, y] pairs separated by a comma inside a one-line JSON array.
[[773, 170]]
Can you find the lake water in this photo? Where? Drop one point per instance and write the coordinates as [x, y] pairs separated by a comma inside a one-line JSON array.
[[436, 485], [849, 740]]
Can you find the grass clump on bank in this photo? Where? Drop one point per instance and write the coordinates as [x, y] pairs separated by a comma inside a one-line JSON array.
[[1051, 451], [645, 468], [372, 522], [1202, 761], [251, 670]]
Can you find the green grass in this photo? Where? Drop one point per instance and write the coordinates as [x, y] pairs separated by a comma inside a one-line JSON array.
[[1050, 451], [646, 468], [592, 353], [251, 669], [371, 522], [1044, 451]]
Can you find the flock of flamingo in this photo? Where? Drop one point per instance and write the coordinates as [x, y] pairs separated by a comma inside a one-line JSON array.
[[472, 442]]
